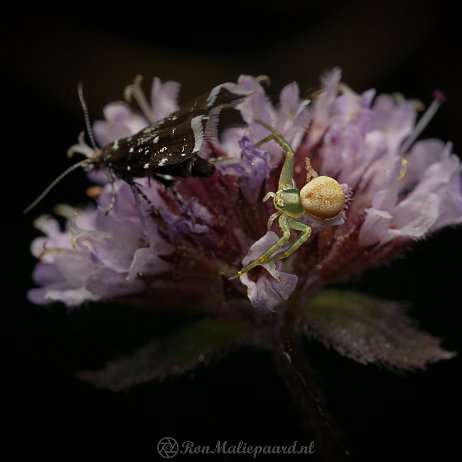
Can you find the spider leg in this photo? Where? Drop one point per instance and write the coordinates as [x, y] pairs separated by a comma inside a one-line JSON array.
[[286, 179], [297, 243], [264, 140], [269, 196], [271, 219], [264, 257]]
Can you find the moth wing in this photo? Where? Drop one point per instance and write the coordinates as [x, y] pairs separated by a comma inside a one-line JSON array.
[[164, 145], [209, 105], [181, 135]]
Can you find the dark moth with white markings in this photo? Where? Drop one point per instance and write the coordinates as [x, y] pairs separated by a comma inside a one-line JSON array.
[[166, 148], [170, 146]]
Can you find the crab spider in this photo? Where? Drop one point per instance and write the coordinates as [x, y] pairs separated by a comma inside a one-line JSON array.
[[322, 197]]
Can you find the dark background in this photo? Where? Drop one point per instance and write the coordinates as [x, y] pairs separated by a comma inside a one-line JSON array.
[[411, 47]]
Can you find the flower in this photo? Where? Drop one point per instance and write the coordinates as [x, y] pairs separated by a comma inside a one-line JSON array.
[[399, 195], [183, 254], [97, 256]]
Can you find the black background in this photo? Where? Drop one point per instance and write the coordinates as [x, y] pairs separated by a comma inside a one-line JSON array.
[[411, 47]]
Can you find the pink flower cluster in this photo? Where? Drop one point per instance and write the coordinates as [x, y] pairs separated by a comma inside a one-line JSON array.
[[183, 255]]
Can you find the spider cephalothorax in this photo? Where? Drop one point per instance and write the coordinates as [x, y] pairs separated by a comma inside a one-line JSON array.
[[322, 197]]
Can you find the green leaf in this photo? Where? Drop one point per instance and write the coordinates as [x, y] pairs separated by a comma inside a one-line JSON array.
[[370, 330], [186, 349]]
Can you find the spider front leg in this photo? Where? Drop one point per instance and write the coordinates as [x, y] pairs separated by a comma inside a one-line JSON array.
[[301, 239], [265, 256], [271, 220], [286, 178], [286, 225]]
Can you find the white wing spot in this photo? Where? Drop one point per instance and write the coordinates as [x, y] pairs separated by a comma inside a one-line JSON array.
[[213, 95], [131, 149], [128, 167], [231, 87], [163, 161], [156, 140], [146, 165], [198, 132]]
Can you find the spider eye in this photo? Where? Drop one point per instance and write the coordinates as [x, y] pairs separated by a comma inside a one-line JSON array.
[[278, 200], [322, 197]]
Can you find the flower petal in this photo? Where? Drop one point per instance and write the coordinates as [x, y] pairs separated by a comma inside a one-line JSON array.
[[323, 109], [292, 117], [252, 171], [375, 228], [45, 273], [120, 122], [147, 261], [411, 219], [395, 118], [269, 290], [266, 293], [107, 284], [61, 292], [164, 98]]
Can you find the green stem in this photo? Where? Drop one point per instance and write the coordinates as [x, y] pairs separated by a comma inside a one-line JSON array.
[[299, 377]]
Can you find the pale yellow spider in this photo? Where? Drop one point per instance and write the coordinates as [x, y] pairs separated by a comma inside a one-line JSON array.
[[322, 198]]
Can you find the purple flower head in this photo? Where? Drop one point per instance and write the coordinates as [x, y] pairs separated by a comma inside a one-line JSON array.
[[97, 256], [183, 254], [121, 121], [252, 169]]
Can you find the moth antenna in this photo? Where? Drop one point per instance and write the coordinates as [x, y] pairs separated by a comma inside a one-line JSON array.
[[66, 172], [86, 115]]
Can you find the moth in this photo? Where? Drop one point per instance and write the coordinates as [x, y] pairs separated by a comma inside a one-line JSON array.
[[165, 149]]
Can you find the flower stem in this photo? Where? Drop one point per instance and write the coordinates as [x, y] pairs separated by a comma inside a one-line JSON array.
[[299, 378]]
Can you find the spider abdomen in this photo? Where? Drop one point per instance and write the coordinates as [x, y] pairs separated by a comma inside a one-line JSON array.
[[323, 197]]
